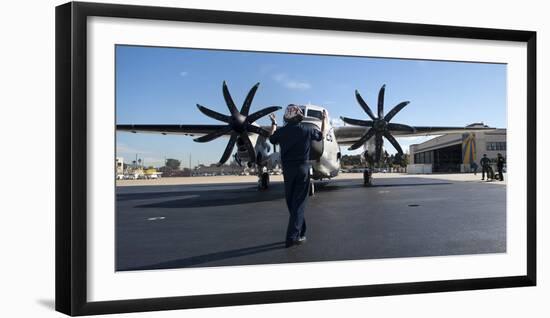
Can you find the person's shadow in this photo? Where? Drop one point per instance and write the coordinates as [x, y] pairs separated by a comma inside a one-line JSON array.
[[211, 257]]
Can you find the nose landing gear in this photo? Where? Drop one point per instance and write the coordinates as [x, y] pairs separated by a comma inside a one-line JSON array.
[[263, 179]]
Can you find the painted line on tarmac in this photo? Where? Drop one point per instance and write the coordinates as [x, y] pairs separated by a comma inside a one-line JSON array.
[[156, 218]]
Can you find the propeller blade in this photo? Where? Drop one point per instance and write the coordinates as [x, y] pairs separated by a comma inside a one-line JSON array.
[[213, 114], [248, 100], [213, 135], [362, 140], [249, 147], [229, 101], [400, 127], [378, 143], [261, 113], [395, 110], [394, 142], [357, 122], [258, 130], [364, 105], [228, 149], [381, 101]]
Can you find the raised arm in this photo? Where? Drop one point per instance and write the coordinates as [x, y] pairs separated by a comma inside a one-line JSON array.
[[273, 124]]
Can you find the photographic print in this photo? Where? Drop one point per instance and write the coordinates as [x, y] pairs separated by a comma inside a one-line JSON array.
[[229, 157], [213, 158]]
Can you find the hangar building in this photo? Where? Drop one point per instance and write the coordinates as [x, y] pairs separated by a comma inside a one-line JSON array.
[[456, 152]]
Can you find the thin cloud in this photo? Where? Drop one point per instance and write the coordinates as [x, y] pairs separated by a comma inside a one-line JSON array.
[[184, 74], [297, 85], [267, 68], [125, 149], [290, 83], [279, 77]]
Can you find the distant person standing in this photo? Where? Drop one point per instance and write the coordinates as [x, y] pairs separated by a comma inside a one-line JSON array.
[[500, 166], [295, 139], [485, 167]]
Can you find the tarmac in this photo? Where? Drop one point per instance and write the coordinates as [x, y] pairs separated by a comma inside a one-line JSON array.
[[224, 221]]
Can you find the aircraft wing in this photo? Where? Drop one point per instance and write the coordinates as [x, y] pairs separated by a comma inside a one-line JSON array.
[[186, 130], [347, 135]]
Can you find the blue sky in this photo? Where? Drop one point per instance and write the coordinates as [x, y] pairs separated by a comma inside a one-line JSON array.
[[163, 85]]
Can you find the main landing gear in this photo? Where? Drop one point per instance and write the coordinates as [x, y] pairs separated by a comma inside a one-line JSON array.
[[311, 188], [311, 184], [367, 177]]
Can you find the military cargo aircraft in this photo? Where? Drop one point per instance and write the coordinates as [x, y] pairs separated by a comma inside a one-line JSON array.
[[254, 149]]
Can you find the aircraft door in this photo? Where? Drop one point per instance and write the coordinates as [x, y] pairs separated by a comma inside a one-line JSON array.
[[317, 147]]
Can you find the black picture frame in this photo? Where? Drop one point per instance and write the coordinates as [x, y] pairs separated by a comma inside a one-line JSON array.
[[71, 199]]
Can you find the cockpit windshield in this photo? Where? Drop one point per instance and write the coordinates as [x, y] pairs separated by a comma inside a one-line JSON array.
[[315, 113]]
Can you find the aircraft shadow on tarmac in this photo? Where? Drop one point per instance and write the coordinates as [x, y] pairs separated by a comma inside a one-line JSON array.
[[211, 257], [225, 197], [206, 198], [331, 186]]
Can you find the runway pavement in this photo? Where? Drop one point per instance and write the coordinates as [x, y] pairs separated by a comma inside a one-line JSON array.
[[217, 224]]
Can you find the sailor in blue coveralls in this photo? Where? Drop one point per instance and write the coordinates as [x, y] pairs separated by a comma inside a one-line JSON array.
[[295, 139]]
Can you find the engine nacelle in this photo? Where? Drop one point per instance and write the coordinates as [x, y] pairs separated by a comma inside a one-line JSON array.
[[261, 148]]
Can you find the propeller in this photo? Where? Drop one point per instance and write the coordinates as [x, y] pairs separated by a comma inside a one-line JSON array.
[[239, 123], [380, 125]]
